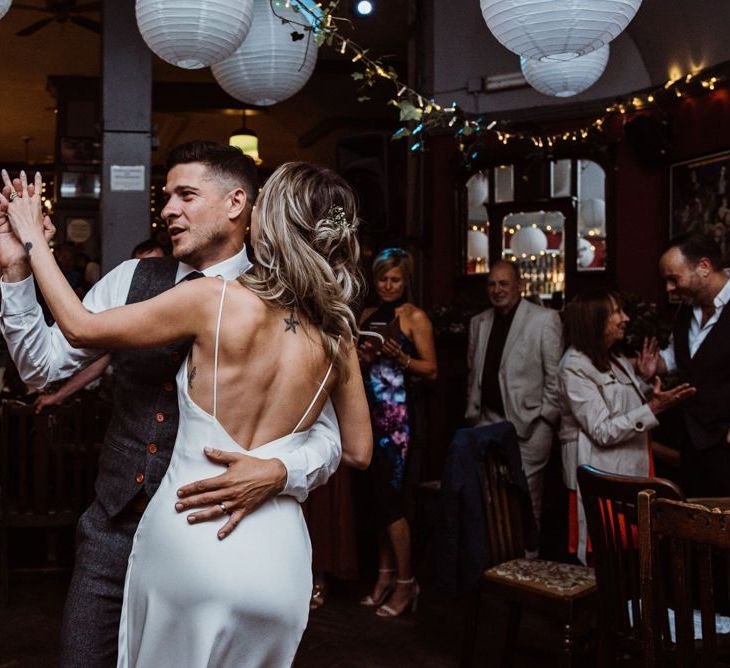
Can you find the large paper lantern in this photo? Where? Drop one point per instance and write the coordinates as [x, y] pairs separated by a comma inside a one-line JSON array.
[[557, 29], [271, 65], [194, 33], [592, 217], [567, 77], [4, 7], [477, 188], [477, 244], [585, 253], [528, 241]]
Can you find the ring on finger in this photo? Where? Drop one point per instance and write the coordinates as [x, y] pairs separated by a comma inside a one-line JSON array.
[[222, 506], [13, 195]]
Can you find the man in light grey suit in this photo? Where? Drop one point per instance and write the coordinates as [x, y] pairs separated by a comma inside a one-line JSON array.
[[514, 351]]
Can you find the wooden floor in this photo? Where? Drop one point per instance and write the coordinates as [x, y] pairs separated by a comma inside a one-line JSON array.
[[341, 634]]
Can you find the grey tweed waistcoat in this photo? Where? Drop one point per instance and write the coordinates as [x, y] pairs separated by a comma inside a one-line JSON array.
[[141, 434]]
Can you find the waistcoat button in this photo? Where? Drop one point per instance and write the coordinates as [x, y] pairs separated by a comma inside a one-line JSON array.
[[160, 417], [139, 478], [152, 449], [168, 387]]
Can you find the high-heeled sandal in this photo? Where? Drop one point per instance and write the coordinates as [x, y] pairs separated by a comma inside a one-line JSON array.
[[369, 602], [411, 605]]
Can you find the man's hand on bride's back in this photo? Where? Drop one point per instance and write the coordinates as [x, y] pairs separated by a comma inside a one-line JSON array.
[[246, 483]]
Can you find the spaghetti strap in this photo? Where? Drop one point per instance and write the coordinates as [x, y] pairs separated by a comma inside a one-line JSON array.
[[316, 396], [215, 357]]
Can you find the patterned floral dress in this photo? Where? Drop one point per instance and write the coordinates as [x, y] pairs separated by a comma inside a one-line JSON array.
[[386, 387]]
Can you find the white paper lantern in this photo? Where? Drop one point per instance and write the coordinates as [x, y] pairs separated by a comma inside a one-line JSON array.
[[557, 29], [4, 7], [477, 244], [592, 217], [586, 253], [269, 66], [194, 33], [529, 241], [568, 77], [477, 188]]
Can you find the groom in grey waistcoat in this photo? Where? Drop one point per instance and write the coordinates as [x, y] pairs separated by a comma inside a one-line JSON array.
[[211, 191]]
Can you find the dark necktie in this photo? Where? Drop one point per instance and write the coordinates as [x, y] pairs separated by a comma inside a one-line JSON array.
[[193, 275]]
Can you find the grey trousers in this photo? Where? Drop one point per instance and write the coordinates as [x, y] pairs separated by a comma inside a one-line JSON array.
[[94, 602]]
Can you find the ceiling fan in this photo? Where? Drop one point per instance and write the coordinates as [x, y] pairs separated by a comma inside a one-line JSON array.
[[61, 11]]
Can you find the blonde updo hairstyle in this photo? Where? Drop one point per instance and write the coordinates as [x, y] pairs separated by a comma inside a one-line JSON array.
[[307, 251]]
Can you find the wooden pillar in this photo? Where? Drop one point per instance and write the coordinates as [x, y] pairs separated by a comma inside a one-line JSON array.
[[126, 133]]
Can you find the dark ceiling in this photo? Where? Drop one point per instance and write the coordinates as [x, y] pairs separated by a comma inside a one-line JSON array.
[[68, 49]]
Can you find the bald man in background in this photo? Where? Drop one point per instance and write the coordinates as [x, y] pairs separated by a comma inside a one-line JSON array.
[[513, 356]]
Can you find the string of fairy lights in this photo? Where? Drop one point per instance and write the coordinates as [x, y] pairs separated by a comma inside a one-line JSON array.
[[420, 113]]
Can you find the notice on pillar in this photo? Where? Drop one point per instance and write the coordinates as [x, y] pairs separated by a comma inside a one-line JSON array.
[[127, 177]]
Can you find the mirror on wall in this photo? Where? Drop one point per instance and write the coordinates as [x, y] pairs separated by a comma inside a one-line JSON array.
[[591, 241], [539, 207], [477, 235], [535, 240]]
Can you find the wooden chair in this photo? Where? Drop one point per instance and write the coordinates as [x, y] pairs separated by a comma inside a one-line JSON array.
[[563, 593], [610, 507], [681, 545], [47, 470]]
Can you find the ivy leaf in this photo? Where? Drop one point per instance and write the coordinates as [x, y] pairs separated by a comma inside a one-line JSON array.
[[321, 37], [357, 76], [409, 112]]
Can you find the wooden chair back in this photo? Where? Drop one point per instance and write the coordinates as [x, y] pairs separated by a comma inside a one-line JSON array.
[[610, 503], [504, 511], [47, 462], [682, 546]]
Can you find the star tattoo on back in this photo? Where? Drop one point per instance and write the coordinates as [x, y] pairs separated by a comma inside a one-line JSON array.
[[291, 323]]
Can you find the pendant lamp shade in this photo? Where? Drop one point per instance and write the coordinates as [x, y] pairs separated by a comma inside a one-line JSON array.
[[194, 33], [4, 7], [248, 141], [275, 60], [557, 29], [565, 78]]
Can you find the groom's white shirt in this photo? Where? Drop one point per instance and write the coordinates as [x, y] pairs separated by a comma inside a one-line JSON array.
[[43, 355]]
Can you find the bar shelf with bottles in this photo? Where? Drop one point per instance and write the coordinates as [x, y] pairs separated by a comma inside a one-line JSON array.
[[542, 274]]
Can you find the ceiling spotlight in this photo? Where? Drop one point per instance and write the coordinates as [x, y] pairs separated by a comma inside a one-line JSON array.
[[364, 7]]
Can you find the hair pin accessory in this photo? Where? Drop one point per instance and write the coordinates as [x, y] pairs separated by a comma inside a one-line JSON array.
[[337, 216]]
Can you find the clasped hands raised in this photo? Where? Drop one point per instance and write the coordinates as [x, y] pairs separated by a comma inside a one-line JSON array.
[[20, 212]]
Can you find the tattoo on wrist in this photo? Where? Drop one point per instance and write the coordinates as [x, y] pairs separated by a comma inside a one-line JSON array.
[[28, 246]]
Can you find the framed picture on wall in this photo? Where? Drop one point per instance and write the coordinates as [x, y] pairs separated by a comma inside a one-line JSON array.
[[699, 198]]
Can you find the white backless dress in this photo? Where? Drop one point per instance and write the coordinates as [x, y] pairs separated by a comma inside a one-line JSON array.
[[194, 601]]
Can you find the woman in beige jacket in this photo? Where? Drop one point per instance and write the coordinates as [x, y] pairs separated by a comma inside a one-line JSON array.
[[606, 416]]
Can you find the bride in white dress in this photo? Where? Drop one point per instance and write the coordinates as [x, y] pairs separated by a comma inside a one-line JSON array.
[[268, 349]]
